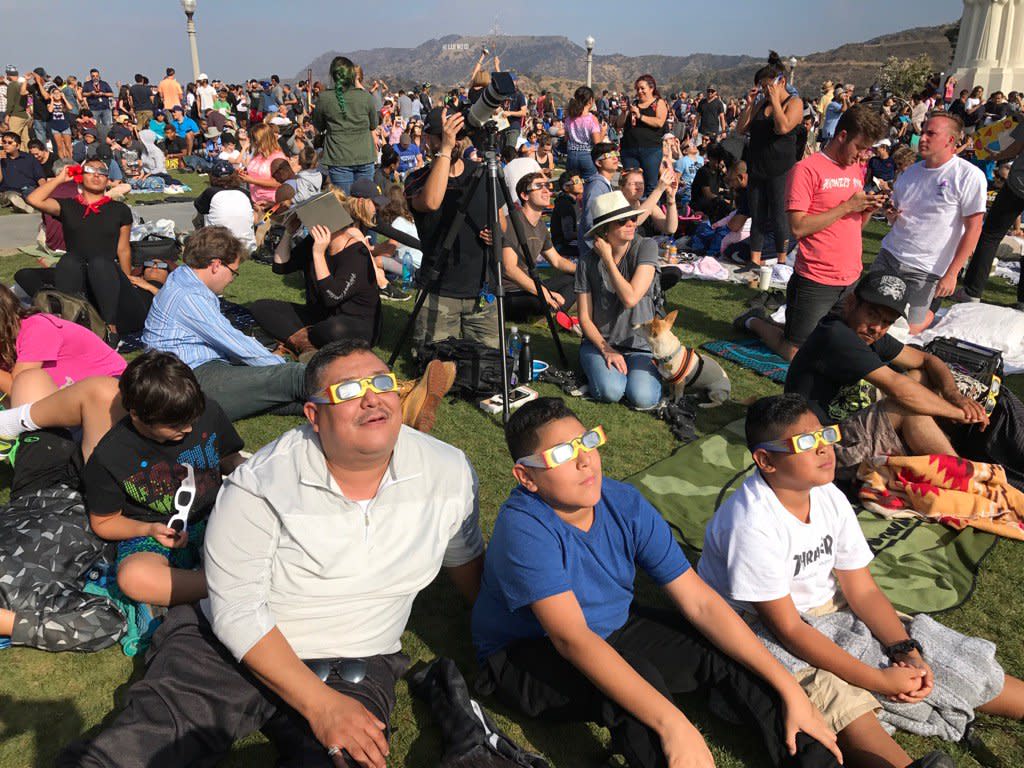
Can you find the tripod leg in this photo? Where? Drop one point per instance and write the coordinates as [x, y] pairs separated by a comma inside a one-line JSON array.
[[531, 268]]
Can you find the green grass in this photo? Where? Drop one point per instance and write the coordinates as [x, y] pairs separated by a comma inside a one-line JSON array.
[[195, 181], [46, 700]]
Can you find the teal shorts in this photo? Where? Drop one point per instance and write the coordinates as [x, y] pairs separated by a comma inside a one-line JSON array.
[[187, 557]]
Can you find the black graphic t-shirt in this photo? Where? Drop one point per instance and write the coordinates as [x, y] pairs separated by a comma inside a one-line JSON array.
[[139, 477]]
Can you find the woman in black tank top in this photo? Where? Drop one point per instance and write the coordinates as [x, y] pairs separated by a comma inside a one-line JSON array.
[[770, 119], [642, 126]]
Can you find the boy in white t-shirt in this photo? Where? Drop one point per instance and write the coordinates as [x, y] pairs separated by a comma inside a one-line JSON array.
[[781, 545]]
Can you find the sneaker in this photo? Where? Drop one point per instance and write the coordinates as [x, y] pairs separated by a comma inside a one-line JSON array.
[[936, 759], [960, 295], [392, 292], [18, 203], [419, 406], [740, 323], [8, 449]]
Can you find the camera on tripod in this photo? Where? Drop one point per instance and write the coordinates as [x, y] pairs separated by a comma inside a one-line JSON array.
[[483, 115]]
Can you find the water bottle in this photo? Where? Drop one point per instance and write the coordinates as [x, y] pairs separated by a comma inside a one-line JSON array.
[[514, 343], [408, 268], [525, 361]]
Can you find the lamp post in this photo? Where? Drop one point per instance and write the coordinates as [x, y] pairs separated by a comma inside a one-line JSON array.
[[589, 42], [189, 6], [792, 70]]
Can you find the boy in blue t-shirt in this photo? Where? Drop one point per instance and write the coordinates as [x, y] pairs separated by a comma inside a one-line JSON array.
[[557, 633]]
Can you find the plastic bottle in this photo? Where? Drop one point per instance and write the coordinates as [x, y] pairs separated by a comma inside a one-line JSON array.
[[408, 269], [514, 343], [673, 253], [525, 361]]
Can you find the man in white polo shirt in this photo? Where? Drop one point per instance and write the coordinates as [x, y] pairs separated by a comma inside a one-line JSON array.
[[936, 214], [315, 552]]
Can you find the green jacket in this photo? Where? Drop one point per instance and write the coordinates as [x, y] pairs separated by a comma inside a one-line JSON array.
[[348, 138]]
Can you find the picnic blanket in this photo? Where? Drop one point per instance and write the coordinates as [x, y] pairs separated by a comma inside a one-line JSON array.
[[943, 489], [922, 567], [752, 354], [240, 317]]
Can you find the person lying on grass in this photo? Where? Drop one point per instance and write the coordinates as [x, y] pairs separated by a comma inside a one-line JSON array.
[[787, 545], [558, 636]]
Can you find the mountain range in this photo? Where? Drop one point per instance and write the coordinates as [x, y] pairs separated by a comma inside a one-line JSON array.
[[558, 64]]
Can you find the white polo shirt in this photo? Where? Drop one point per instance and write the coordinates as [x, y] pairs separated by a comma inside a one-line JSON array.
[[285, 548]]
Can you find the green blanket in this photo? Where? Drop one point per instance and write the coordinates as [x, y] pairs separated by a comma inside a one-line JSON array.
[[922, 567]]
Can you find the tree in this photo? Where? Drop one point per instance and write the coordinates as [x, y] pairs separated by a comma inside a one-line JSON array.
[[904, 77]]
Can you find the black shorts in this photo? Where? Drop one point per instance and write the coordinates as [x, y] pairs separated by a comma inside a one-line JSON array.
[[807, 302]]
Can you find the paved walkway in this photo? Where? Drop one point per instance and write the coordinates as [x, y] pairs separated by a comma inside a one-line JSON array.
[[18, 229]]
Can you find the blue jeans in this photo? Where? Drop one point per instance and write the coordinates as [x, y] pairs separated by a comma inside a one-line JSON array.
[[198, 163], [40, 132], [641, 386], [103, 116], [342, 176], [647, 159], [579, 161]]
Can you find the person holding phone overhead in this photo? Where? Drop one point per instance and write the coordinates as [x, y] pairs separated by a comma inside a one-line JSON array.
[[770, 119]]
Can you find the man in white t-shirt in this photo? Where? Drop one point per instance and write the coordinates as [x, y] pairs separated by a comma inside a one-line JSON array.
[[787, 544], [206, 94], [936, 213]]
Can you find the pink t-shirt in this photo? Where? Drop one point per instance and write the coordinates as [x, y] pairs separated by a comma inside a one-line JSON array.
[[580, 130], [817, 184], [68, 351], [259, 167]]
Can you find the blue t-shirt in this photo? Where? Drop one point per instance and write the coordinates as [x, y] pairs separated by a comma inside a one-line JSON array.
[[406, 157], [687, 167], [534, 554], [833, 112], [185, 125]]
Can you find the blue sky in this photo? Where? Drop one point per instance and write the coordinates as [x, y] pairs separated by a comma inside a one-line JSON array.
[[256, 37]]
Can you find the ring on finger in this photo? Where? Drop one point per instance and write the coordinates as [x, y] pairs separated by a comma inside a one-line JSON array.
[[333, 750]]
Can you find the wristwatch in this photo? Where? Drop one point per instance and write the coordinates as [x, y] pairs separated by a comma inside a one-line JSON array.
[[903, 647]]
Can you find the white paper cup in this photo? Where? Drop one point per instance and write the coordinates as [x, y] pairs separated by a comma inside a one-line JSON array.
[[764, 278]]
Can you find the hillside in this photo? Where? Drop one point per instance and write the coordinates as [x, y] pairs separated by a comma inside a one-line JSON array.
[[558, 64]]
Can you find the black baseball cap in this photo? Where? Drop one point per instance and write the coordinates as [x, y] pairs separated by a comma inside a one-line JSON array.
[[434, 124], [365, 188], [887, 291]]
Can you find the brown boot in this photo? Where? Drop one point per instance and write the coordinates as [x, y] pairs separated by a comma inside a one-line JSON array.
[[421, 400], [299, 342]]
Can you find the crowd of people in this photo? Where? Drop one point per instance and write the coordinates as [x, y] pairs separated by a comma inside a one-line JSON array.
[[289, 574]]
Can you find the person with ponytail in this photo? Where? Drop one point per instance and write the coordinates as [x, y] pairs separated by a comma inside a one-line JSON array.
[[346, 117], [582, 131], [771, 117]]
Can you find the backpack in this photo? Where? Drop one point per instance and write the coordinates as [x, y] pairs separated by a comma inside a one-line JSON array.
[[477, 367], [77, 309]]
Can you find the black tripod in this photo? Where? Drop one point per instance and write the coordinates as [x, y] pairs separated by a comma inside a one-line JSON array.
[[495, 186]]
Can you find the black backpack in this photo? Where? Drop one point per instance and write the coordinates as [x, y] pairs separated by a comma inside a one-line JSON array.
[[477, 367]]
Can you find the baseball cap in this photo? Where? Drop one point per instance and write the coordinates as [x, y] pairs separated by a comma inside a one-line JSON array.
[[221, 169], [41, 72], [178, 108], [202, 76], [11, 70], [367, 189], [434, 124], [884, 290]]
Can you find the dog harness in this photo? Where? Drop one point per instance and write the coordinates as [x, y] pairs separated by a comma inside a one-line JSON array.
[[684, 366]]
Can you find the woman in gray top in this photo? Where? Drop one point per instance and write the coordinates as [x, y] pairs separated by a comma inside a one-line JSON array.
[[346, 116], [617, 289]]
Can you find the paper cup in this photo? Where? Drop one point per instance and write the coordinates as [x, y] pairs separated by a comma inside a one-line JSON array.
[[764, 278]]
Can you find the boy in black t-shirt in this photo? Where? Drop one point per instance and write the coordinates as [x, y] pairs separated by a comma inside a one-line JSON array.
[[162, 461]]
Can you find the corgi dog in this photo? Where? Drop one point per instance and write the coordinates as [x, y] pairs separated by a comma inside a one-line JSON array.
[[681, 367]]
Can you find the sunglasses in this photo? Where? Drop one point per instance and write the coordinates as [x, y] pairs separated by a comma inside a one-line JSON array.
[[563, 452], [808, 441], [94, 171], [381, 383], [540, 185]]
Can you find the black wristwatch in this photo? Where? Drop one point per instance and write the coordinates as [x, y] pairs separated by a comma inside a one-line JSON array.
[[903, 647]]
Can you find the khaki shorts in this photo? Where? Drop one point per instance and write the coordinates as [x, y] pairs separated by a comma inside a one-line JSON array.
[[868, 433], [839, 702]]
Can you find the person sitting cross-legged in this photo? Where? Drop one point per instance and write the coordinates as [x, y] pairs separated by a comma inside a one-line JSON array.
[[786, 551], [314, 553], [559, 636]]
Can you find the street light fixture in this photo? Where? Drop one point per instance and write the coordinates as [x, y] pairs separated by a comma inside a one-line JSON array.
[[189, 6], [589, 42], [792, 70]]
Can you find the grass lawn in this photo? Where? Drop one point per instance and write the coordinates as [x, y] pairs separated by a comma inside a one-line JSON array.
[[47, 699], [195, 181]]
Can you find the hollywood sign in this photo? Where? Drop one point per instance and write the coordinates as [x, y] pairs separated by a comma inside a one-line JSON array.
[[455, 47]]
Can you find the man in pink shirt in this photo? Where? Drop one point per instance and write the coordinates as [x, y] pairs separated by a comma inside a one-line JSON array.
[[827, 209]]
